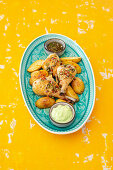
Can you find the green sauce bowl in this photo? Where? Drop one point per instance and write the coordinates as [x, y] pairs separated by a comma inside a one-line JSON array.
[[62, 124]]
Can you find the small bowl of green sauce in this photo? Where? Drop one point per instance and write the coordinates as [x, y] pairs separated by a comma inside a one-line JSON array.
[[55, 45], [62, 114]]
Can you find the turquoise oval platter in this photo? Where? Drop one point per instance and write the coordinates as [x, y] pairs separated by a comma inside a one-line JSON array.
[[83, 108]]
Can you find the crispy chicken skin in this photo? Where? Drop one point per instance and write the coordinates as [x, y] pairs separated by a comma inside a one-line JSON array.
[[51, 63], [65, 74], [46, 86]]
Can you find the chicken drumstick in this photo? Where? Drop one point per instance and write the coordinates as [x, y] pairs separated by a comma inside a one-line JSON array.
[[46, 86], [51, 64], [65, 74]]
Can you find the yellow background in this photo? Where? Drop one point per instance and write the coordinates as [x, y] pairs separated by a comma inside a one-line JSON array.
[[24, 145]]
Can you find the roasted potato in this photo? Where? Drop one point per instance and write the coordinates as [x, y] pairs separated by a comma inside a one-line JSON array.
[[74, 59], [70, 92], [60, 100], [35, 66], [36, 75], [44, 102], [78, 85], [77, 67]]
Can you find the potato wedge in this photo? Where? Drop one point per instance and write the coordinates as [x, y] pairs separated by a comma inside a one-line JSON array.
[[44, 102], [35, 66], [78, 85], [74, 59], [36, 75], [70, 92], [60, 100], [77, 67]]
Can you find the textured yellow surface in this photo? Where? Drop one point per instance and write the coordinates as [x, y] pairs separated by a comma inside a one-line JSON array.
[[24, 145]]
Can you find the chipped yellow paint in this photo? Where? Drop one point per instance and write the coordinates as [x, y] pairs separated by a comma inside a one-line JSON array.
[[25, 145]]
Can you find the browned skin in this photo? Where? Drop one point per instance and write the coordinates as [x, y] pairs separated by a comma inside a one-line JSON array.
[[51, 64], [46, 86], [66, 74], [45, 102], [36, 75]]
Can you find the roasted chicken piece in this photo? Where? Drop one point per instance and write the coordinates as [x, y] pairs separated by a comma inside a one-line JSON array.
[[46, 86], [36, 75], [51, 64], [65, 74]]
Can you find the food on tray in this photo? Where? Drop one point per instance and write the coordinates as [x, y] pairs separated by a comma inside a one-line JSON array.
[[36, 75], [78, 85], [35, 66], [54, 80], [70, 92], [65, 73], [74, 59], [51, 64], [46, 86], [62, 114], [77, 67], [45, 102], [60, 100]]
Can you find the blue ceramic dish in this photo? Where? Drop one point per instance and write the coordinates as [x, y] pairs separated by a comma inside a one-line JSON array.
[[83, 108]]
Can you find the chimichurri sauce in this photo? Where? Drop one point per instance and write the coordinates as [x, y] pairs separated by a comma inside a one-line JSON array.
[[55, 47]]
